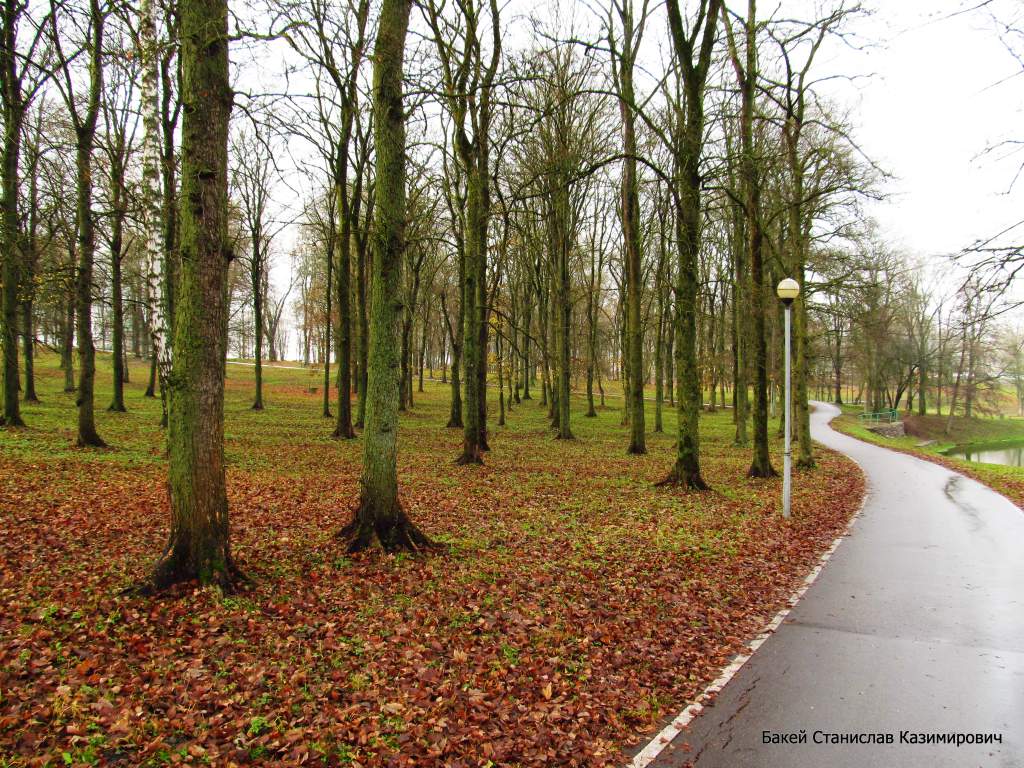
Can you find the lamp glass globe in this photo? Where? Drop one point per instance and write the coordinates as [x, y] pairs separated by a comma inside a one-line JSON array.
[[788, 288]]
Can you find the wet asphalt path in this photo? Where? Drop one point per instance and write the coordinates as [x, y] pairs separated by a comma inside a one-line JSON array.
[[916, 624]]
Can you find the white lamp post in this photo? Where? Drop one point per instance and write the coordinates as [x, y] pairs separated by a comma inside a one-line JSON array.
[[787, 290]]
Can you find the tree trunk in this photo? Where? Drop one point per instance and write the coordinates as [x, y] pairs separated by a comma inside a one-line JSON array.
[[659, 367], [423, 351], [343, 427], [454, 336], [922, 380], [257, 316], [630, 214], [379, 516], [116, 239], [157, 209], [473, 353], [805, 456], [527, 369], [29, 335], [10, 224], [87, 435], [364, 331], [591, 335], [67, 350], [198, 546], [327, 329], [689, 130], [404, 393], [747, 76], [501, 381]]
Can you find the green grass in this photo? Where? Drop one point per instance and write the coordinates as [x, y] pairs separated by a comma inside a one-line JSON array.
[[929, 440]]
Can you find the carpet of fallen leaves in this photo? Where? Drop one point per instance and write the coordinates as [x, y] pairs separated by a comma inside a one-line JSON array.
[[578, 606]]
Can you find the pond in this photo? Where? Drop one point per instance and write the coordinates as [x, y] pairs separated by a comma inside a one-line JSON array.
[[1011, 455]]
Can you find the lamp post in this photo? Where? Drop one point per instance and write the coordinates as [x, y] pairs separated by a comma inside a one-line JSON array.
[[787, 290]]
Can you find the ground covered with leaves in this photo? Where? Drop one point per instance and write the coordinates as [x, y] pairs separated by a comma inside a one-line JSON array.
[[577, 607]]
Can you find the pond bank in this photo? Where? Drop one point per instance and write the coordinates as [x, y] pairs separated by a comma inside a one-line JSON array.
[[926, 439]]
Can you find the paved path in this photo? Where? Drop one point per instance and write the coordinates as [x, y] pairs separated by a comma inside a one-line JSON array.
[[916, 623]]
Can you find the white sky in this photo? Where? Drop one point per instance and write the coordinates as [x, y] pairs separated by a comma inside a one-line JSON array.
[[932, 106]]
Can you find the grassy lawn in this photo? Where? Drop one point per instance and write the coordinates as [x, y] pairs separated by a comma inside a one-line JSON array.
[[927, 438], [578, 606]]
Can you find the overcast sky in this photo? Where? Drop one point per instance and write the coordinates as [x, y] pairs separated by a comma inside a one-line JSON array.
[[938, 96]]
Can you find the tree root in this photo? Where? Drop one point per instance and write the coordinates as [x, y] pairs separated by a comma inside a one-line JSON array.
[[90, 441], [173, 568], [392, 532], [691, 481], [343, 434], [470, 456]]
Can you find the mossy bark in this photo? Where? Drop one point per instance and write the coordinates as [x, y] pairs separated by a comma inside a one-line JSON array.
[[343, 246], [632, 252], [689, 137], [750, 182], [85, 135], [198, 546], [13, 104], [10, 241], [379, 518], [118, 214]]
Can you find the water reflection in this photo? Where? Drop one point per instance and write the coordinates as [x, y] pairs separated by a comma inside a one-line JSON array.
[[1010, 455]]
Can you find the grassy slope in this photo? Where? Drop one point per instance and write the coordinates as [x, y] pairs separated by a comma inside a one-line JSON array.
[[578, 606], [1009, 481]]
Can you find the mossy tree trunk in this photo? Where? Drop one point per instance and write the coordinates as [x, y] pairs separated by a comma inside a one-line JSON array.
[[693, 54], [740, 395], [170, 107], [116, 285], [664, 328], [623, 56], [67, 349], [563, 307], [14, 103], [364, 331], [454, 331], [256, 276], [30, 263], [593, 296], [85, 139], [468, 82], [746, 76], [379, 517], [198, 546], [343, 428], [117, 150], [329, 295]]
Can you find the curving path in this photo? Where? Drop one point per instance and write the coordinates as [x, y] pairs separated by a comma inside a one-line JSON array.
[[915, 624]]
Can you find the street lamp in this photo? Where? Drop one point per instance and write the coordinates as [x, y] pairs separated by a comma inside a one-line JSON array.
[[787, 290]]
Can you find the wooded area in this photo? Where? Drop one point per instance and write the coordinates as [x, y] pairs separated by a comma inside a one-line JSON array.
[[461, 210]]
